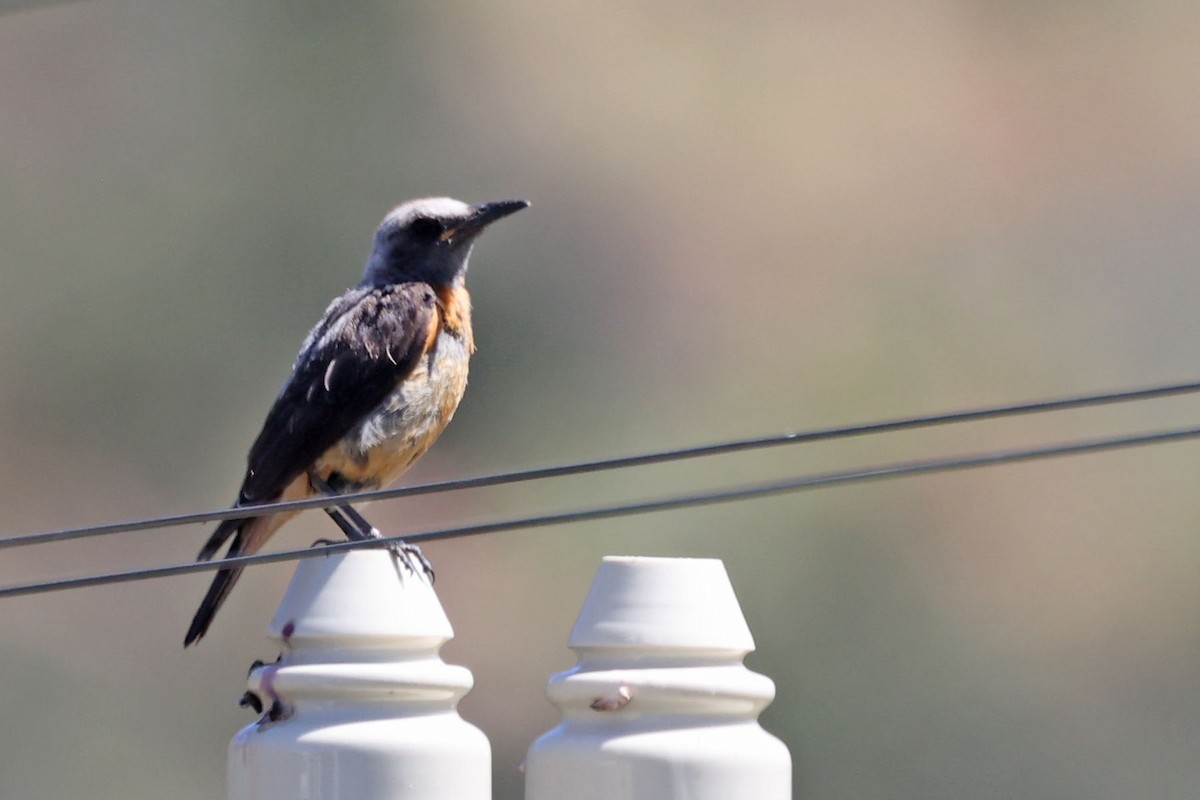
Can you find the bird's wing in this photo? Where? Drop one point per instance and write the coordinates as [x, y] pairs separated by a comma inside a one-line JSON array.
[[369, 340]]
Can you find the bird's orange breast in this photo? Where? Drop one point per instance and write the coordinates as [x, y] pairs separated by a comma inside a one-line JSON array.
[[454, 313]]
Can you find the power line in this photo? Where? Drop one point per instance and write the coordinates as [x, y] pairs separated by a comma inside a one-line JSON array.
[[712, 497], [622, 462]]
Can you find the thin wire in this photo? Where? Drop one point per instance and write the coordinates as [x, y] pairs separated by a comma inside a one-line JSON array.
[[622, 462], [821, 480]]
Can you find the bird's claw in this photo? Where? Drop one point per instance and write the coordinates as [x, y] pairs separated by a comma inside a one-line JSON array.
[[411, 556]]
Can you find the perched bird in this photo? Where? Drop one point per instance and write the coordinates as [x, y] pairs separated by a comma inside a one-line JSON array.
[[375, 383]]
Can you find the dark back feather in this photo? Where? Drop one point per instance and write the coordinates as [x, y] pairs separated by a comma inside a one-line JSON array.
[[369, 341]]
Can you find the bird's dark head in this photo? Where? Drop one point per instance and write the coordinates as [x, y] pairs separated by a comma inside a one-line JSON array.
[[430, 239]]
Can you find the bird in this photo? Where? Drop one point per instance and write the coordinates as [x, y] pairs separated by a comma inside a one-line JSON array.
[[376, 381]]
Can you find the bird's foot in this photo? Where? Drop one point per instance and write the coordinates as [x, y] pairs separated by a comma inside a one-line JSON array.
[[411, 556]]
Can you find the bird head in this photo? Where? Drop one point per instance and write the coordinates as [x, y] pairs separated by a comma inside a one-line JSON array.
[[430, 239]]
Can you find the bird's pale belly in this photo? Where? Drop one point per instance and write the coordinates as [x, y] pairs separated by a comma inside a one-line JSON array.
[[380, 448]]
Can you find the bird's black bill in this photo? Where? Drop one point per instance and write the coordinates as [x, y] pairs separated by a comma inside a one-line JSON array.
[[485, 214]]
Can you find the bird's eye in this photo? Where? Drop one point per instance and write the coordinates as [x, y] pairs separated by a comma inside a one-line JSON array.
[[426, 228]]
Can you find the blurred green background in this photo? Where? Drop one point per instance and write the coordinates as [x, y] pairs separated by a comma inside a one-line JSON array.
[[747, 218]]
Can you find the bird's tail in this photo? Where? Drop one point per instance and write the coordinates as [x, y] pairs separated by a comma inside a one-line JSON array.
[[223, 583], [249, 535], [221, 535]]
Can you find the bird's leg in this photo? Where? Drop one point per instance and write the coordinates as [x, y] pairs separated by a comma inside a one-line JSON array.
[[353, 524], [353, 531], [356, 528]]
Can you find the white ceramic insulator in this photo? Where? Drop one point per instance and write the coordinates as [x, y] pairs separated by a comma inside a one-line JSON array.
[[659, 705], [364, 707]]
